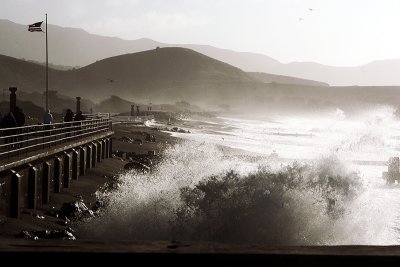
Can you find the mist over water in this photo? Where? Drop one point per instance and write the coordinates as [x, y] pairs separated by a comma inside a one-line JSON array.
[[298, 181]]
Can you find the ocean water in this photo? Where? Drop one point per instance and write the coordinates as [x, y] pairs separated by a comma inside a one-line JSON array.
[[283, 180]]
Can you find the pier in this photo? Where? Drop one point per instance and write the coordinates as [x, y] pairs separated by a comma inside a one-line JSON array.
[[37, 161]]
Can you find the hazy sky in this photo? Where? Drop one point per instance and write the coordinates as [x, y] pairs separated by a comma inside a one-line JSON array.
[[334, 32]]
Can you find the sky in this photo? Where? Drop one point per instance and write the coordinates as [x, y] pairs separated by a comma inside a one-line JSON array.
[[330, 32]]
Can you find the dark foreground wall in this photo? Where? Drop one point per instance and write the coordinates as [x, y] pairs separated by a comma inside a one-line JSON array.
[[30, 183]]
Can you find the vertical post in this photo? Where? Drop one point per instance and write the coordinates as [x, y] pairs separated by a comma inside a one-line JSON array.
[[67, 170], [89, 156], [107, 142], [99, 150], [94, 154], [75, 165], [47, 70], [57, 175], [15, 194], [46, 183], [109, 147], [82, 160], [103, 149], [32, 187], [78, 104], [13, 98]]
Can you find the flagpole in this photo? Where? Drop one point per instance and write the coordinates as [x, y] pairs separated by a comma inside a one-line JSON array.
[[47, 71]]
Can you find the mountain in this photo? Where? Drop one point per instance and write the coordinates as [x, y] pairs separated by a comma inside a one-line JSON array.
[[76, 47], [164, 74], [271, 78], [168, 75]]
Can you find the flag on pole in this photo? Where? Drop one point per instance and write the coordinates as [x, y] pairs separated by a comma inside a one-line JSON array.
[[35, 27]]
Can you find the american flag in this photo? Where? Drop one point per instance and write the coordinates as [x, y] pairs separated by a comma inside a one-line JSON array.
[[35, 27]]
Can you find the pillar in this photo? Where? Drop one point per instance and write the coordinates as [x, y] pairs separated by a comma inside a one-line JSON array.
[[94, 154], [15, 195], [107, 145], [103, 149], [32, 187], [99, 150], [75, 165], [13, 98], [110, 148], [57, 175], [89, 156], [82, 160], [78, 104], [67, 170], [46, 183]]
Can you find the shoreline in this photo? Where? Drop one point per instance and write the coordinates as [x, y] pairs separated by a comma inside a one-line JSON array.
[[126, 149], [43, 218]]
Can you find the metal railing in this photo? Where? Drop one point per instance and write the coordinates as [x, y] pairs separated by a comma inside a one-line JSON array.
[[19, 140], [97, 115]]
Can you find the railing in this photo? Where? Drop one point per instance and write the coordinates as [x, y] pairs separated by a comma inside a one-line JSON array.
[[19, 140], [97, 115]]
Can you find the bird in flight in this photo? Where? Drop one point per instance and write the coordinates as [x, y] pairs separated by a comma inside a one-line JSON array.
[[300, 18], [110, 80], [310, 9]]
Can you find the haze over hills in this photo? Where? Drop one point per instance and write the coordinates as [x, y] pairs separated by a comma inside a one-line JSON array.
[[271, 78], [168, 75], [76, 47]]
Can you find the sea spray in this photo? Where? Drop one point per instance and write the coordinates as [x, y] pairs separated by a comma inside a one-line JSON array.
[[198, 193]]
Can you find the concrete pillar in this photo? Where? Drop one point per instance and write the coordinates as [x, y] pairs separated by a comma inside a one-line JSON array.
[[106, 147], [46, 183], [67, 170], [32, 187], [15, 195], [78, 104], [110, 148], [94, 154], [13, 98], [103, 149], [82, 160], [75, 165], [57, 175], [99, 150], [89, 156]]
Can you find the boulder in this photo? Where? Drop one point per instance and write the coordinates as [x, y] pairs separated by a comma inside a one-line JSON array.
[[137, 166]]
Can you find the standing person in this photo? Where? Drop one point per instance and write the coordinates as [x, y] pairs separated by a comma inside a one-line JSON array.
[[8, 122], [47, 120], [47, 117], [79, 116], [19, 116], [69, 117], [20, 120]]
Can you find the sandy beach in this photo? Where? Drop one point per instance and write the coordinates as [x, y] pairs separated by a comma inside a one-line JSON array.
[[85, 187]]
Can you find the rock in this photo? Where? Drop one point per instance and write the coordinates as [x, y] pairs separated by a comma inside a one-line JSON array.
[[66, 234], [24, 234], [98, 205], [138, 141], [137, 166], [73, 210]]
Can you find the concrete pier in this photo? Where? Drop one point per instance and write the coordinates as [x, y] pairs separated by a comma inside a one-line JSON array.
[[30, 182]]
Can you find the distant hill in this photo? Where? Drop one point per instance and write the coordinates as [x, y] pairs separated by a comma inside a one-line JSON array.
[[271, 78], [76, 47], [165, 74], [168, 75]]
